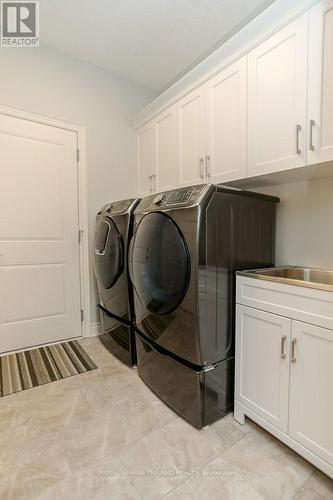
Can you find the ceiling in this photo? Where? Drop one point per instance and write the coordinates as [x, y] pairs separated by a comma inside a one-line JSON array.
[[152, 42]]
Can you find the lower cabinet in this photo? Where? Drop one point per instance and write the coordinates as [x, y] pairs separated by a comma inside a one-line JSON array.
[[284, 380], [262, 364], [311, 389]]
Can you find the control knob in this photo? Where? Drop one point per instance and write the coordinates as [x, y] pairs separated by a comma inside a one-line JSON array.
[[158, 200]]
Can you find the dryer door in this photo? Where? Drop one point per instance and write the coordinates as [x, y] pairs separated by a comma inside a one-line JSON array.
[[109, 252], [160, 266]]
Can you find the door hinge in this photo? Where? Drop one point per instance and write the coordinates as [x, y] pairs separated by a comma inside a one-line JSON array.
[[80, 235], [82, 315], [78, 155]]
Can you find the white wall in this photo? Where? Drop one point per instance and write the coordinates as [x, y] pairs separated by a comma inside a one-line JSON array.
[[48, 82], [304, 232]]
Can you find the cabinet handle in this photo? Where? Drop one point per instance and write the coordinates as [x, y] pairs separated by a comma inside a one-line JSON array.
[[293, 348], [207, 165], [154, 182], [150, 183], [298, 132], [283, 341], [201, 166], [312, 123]]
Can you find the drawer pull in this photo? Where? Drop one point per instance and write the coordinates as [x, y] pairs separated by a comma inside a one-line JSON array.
[[283, 341], [311, 125], [201, 163], [293, 348], [298, 132]]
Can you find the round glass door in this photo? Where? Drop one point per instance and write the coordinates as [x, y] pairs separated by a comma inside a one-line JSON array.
[[109, 253], [160, 265]]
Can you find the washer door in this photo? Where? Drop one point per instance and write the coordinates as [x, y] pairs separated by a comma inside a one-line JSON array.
[[160, 266], [109, 253]]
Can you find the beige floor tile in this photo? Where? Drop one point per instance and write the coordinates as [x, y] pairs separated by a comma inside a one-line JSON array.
[[275, 471], [81, 381], [12, 434], [23, 399], [228, 430], [206, 485], [18, 489], [101, 355], [317, 487], [42, 458], [62, 440], [165, 457], [101, 480], [56, 411], [124, 387], [113, 429], [152, 464]]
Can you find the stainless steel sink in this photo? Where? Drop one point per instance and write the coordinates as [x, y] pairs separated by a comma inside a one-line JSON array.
[[301, 276]]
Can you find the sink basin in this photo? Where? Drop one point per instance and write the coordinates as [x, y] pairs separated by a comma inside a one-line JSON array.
[[301, 276]]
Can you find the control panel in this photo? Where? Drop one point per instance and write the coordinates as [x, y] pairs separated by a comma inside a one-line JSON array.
[[118, 207], [180, 197]]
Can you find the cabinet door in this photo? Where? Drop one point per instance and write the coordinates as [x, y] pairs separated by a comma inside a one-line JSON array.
[[311, 401], [277, 100], [227, 123], [320, 106], [167, 169], [146, 154], [191, 114], [262, 364]]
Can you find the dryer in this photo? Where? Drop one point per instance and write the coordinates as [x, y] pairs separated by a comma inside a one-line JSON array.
[[114, 225], [186, 247]]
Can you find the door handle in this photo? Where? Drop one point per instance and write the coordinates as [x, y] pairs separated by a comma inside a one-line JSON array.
[[208, 166], [312, 123], [293, 349], [283, 341], [201, 166], [298, 133]]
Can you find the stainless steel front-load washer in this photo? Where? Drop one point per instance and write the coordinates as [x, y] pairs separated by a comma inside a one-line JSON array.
[[114, 226], [186, 247]]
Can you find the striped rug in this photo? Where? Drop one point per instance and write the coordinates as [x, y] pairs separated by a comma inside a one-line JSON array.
[[28, 369]]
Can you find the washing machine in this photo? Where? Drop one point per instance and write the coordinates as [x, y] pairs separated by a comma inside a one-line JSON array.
[[114, 225], [186, 247]]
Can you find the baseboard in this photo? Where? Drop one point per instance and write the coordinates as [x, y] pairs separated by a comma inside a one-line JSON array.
[[95, 329]]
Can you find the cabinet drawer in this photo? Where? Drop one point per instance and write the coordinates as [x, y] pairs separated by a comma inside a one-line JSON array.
[[295, 302]]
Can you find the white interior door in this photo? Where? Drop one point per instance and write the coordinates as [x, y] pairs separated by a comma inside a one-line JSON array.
[[311, 402], [39, 249], [277, 100], [191, 112], [320, 100], [262, 364], [227, 123]]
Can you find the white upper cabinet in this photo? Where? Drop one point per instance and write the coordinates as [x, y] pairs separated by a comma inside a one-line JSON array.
[[277, 100], [167, 164], [320, 106], [191, 116], [311, 402], [226, 157], [270, 111], [146, 154]]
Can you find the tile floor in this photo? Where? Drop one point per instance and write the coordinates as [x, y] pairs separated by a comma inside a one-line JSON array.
[[104, 435]]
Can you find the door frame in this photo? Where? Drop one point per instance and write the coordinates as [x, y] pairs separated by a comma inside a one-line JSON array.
[[82, 176]]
